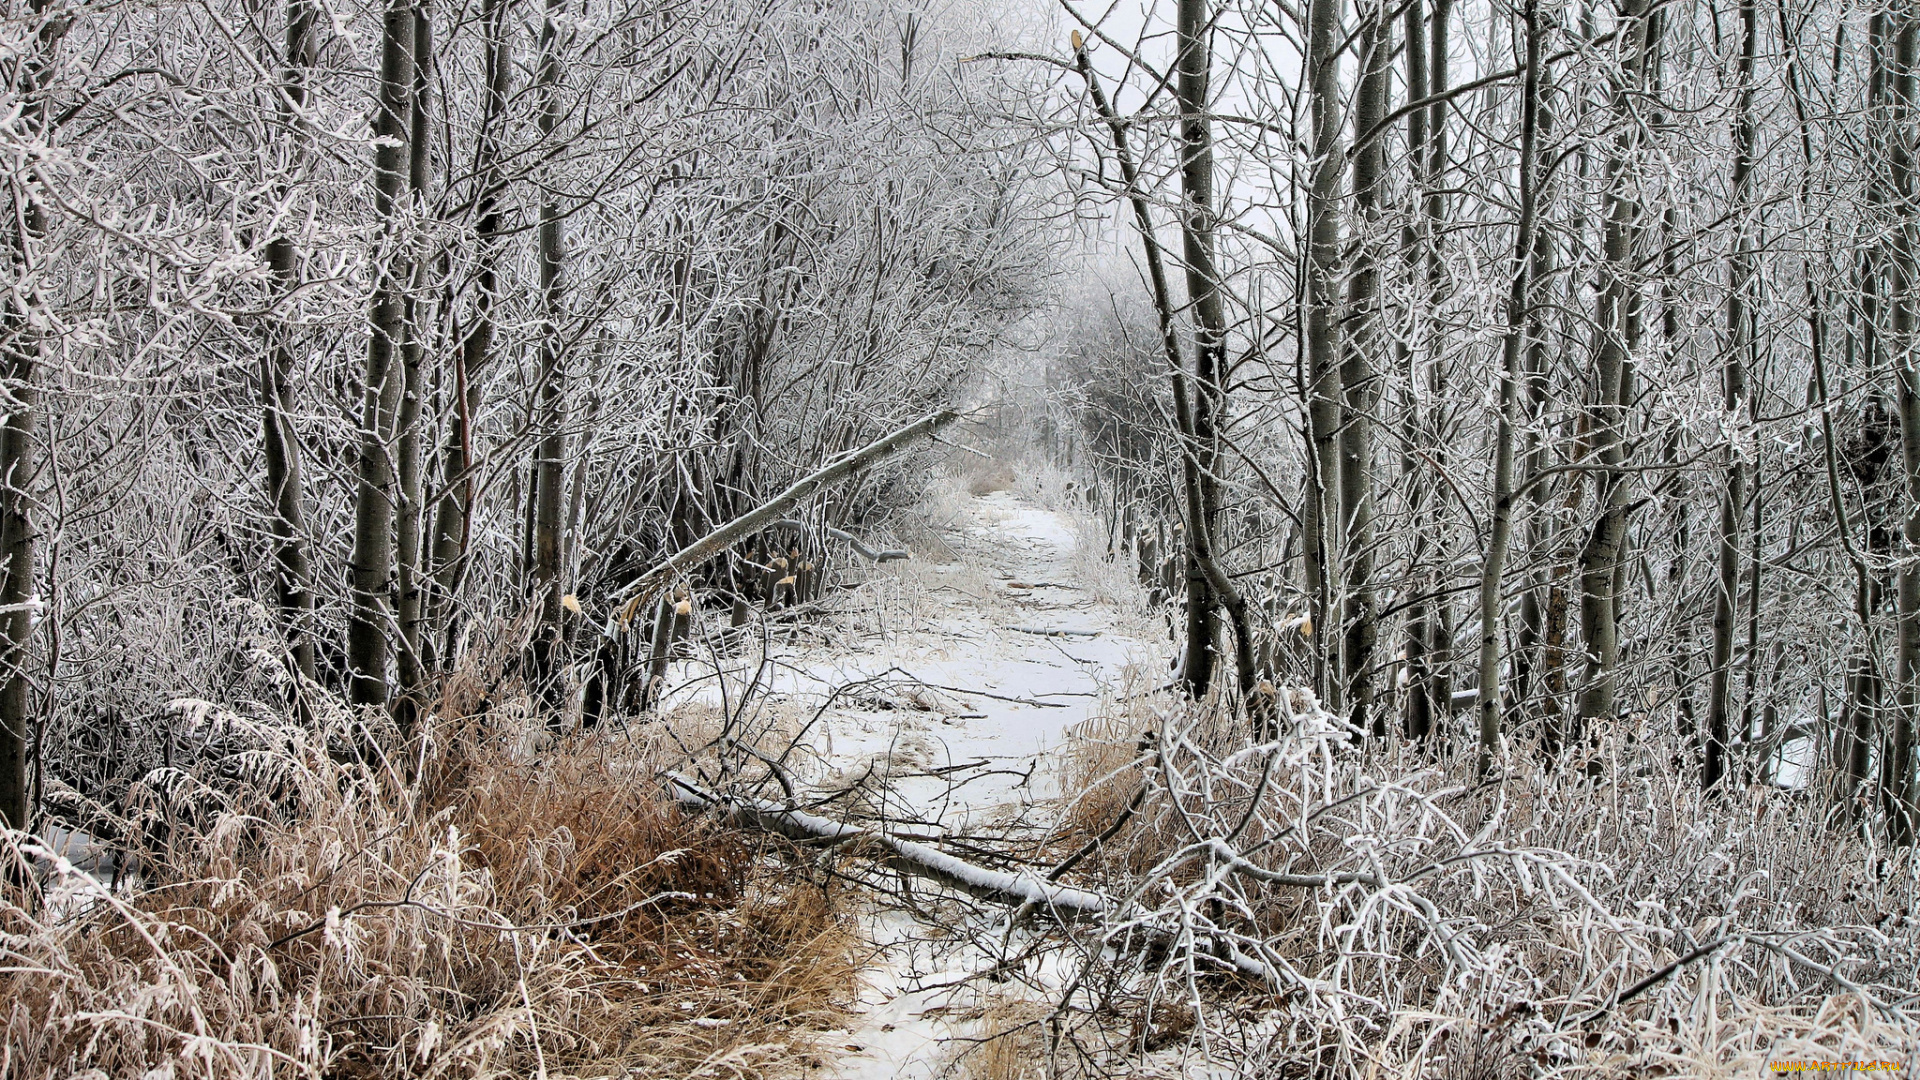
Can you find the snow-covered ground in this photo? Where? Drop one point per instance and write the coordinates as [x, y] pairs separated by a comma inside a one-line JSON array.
[[1009, 649], [954, 683]]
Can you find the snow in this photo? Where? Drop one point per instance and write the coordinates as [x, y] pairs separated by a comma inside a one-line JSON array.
[[1004, 696], [971, 741]]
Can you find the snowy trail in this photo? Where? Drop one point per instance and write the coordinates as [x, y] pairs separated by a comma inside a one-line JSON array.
[[1006, 648], [950, 683], [1016, 571]]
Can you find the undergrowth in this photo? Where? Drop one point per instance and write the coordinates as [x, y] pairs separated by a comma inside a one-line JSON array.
[[459, 910], [1333, 908]]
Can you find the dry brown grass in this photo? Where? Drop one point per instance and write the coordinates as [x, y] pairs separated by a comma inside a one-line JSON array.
[[1011, 1044], [471, 914], [987, 477]]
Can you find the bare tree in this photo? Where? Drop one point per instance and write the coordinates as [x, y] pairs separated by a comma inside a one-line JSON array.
[[1512, 349], [369, 627], [286, 491]]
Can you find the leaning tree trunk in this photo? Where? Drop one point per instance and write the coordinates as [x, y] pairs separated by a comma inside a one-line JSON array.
[[368, 620], [1320, 513], [1199, 545], [452, 521]]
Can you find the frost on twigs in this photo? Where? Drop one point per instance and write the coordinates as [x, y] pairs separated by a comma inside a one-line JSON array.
[[1340, 908]]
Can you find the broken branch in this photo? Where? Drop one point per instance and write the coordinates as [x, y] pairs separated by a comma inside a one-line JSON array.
[[998, 886]]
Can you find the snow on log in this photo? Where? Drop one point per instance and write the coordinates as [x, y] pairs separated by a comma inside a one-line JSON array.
[[922, 860]]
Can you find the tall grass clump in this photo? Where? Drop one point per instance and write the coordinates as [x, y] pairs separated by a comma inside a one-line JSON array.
[[301, 905]]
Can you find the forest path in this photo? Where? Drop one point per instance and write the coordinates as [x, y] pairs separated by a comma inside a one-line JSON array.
[[960, 675], [979, 750]]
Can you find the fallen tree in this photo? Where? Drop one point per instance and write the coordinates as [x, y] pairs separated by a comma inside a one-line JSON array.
[[921, 860], [650, 585], [1028, 893]]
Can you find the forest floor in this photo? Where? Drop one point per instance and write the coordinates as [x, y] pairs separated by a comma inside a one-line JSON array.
[[950, 684]]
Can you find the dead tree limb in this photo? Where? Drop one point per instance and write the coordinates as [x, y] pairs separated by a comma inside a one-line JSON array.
[[919, 859], [650, 584]]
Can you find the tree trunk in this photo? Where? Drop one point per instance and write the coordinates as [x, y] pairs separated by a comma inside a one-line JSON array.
[[1536, 606], [1417, 712], [650, 585], [20, 345], [1429, 629], [1209, 337], [372, 567], [286, 492], [1320, 509], [17, 469], [1618, 334], [1738, 409], [1519, 302], [547, 583], [1199, 549], [1359, 383], [409, 596], [453, 516], [1897, 768]]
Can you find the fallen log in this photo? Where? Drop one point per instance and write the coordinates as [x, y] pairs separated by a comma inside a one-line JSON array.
[[651, 584], [999, 886], [1026, 892]]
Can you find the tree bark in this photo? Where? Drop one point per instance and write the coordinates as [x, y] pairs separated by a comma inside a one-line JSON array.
[[1199, 542], [1429, 629], [1209, 335], [1417, 709], [1320, 510], [368, 645], [1519, 303], [648, 586], [1738, 409], [409, 594], [1897, 768], [1359, 383], [547, 584], [18, 464], [20, 345], [1618, 333], [17, 467], [453, 516], [286, 491]]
